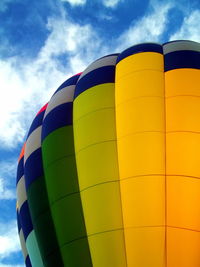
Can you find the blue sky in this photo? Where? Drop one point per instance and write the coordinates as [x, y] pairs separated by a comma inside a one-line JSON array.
[[42, 43]]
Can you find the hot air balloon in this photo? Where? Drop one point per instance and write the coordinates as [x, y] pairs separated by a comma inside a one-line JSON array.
[[109, 175]]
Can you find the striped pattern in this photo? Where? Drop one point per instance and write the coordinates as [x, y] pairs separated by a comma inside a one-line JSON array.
[[114, 158]]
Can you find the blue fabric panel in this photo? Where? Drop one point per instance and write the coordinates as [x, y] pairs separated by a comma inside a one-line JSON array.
[[110, 55], [182, 59], [28, 262], [101, 75], [26, 222], [20, 169], [36, 122], [33, 168], [57, 118], [71, 81], [19, 226], [148, 47]]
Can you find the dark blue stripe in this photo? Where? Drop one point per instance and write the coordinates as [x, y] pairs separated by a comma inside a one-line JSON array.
[[19, 226], [57, 118], [28, 262], [101, 75], [33, 168], [148, 47], [71, 81], [36, 122], [182, 59], [26, 222], [177, 41], [110, 55], [20, 169]]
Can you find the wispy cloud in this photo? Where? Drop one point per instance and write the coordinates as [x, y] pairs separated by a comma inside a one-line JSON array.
[[190, 29], [111, 3], [9, 241], [27, 85], [149, 28], [7, 178], [4, 5], [75, 2]]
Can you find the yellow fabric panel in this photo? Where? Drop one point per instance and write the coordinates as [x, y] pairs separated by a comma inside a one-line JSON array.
[[98, 174], [100, 245], [97, 164], [138, 62], [149, 83], [145, 247], [183, 154], [183, 208], [141, 154], [182, 82], [101, 208], [183, 113], [97, 97], [95, 127], [183, 248], [144, 199], [182, 166], [139, 115], [140, 124]]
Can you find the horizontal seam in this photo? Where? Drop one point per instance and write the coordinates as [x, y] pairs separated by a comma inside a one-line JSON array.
[[124, 228], [167, 132], [156, 174], [106, 141], [174, 96], [86, 236], [79, 192], [61, 198], [141, 70], [138, 97], [93, 111], [55, 161], [194, 132], [106, 182], [139, 132]]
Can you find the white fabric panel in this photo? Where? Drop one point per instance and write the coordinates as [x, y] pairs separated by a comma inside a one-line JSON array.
[[21, 192], [23, 244], [105, 61], [64, 95], [33, 142], [180, 45]]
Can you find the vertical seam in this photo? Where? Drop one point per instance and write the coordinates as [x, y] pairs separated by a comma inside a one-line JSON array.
[[120, 195]]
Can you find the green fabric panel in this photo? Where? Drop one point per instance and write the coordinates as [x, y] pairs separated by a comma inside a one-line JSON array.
[[53, 260], [63, 190], [42, 219], [33, 250], [37, 205], [76, 254], [46, 237], [62, 178], [57, 145], [68, 218]]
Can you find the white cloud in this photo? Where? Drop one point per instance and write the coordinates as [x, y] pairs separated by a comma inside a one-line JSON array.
[[28, 85], [5, 193], [190, 29], [111, 3], [9, 240], [75, 2], [7, 177], [149, 28]]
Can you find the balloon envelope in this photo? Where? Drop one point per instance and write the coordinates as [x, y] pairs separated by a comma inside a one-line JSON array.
[[110, 171]]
